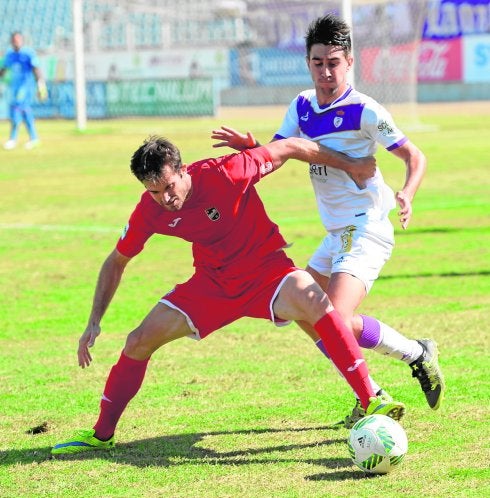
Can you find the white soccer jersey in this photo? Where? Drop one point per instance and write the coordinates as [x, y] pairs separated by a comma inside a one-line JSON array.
[[353, 124]]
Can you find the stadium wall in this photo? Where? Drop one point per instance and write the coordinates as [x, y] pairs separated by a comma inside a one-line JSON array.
[[429, 92], [425, 51]]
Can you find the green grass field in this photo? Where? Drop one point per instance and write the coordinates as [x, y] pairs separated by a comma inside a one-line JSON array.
[[245, 412]]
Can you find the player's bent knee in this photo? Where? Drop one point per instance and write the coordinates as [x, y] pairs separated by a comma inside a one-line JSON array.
[[317, 307], [302, 299], [140, 345], [143, 341]]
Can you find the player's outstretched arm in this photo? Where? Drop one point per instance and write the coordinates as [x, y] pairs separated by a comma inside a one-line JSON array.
[[232, 138], [359, 169], [312, 152], [416, 165], [109, 278]]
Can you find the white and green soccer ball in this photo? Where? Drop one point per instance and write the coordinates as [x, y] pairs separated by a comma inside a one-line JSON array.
[[377, 444]]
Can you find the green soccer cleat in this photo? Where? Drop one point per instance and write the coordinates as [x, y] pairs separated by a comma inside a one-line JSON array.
[[426, 369], [380, 406], [82, 440], [358, 412]]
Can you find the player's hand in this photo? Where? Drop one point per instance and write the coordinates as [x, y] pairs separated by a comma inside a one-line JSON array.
[[87, 340], [363, 169], [405, 212], [233, 139], [42, 91]]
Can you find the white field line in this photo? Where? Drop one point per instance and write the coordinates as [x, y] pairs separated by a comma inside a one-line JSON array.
[[58, 228]]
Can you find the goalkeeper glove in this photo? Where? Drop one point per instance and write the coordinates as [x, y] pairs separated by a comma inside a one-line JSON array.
[[42, 91]]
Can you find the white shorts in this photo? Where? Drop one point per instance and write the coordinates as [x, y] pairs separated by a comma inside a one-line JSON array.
[[354, 250]]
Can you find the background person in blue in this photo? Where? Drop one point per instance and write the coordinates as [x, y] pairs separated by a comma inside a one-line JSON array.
[[25, 77]]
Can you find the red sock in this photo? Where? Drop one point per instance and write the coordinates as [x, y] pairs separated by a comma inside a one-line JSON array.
[[344, 351], [124, 381]]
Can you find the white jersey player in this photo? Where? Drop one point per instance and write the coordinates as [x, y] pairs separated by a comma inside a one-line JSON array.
[[354, 210], [350, 212]]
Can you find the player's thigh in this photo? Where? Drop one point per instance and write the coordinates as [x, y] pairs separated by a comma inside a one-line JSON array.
[[15, 114], [301, 298], [320, 263], [322, 280], [162, 325], [346, 293]]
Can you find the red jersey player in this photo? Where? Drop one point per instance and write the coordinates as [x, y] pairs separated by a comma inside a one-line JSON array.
[[241, 269]]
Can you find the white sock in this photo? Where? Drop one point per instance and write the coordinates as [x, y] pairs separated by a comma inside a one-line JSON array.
[[395, 345]]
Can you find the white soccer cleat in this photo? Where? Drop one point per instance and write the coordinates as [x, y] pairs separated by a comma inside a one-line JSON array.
[[10, 144], [32, 144]]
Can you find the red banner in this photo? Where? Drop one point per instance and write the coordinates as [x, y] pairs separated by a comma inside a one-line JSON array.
[[440, 60], [388, 64], [436, 60]]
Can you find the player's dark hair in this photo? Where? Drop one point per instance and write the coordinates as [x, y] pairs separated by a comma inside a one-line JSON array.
[[329, 30], [150, 158]]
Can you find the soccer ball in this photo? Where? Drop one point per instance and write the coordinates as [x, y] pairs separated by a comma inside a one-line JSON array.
[[377, 444]]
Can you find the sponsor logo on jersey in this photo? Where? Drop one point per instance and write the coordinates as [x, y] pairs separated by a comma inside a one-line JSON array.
[[337, 121], [124, 231], [385, 128], [304, 117], [213, 214], [318, 170], [173, 223], [266, 168]]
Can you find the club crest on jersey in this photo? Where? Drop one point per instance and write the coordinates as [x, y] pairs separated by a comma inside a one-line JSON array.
[[266, 168], [337, 121], [213, 214]]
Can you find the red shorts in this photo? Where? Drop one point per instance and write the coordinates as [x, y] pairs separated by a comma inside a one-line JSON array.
[[212, 299]]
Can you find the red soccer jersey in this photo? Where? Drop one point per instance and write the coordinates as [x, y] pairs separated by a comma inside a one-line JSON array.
[[224, 218]]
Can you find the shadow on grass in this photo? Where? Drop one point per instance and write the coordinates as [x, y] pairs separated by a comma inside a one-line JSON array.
[[452, 274], [181, 449]]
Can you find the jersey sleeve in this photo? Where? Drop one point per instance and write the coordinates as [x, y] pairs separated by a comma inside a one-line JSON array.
[[34, 59], [289, 126], [7, 60], [135, 233], [381, 127], [247, 167]]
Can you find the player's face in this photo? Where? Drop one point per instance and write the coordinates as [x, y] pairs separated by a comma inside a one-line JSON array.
[[172, 189], [328, 68], [16, 41]]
